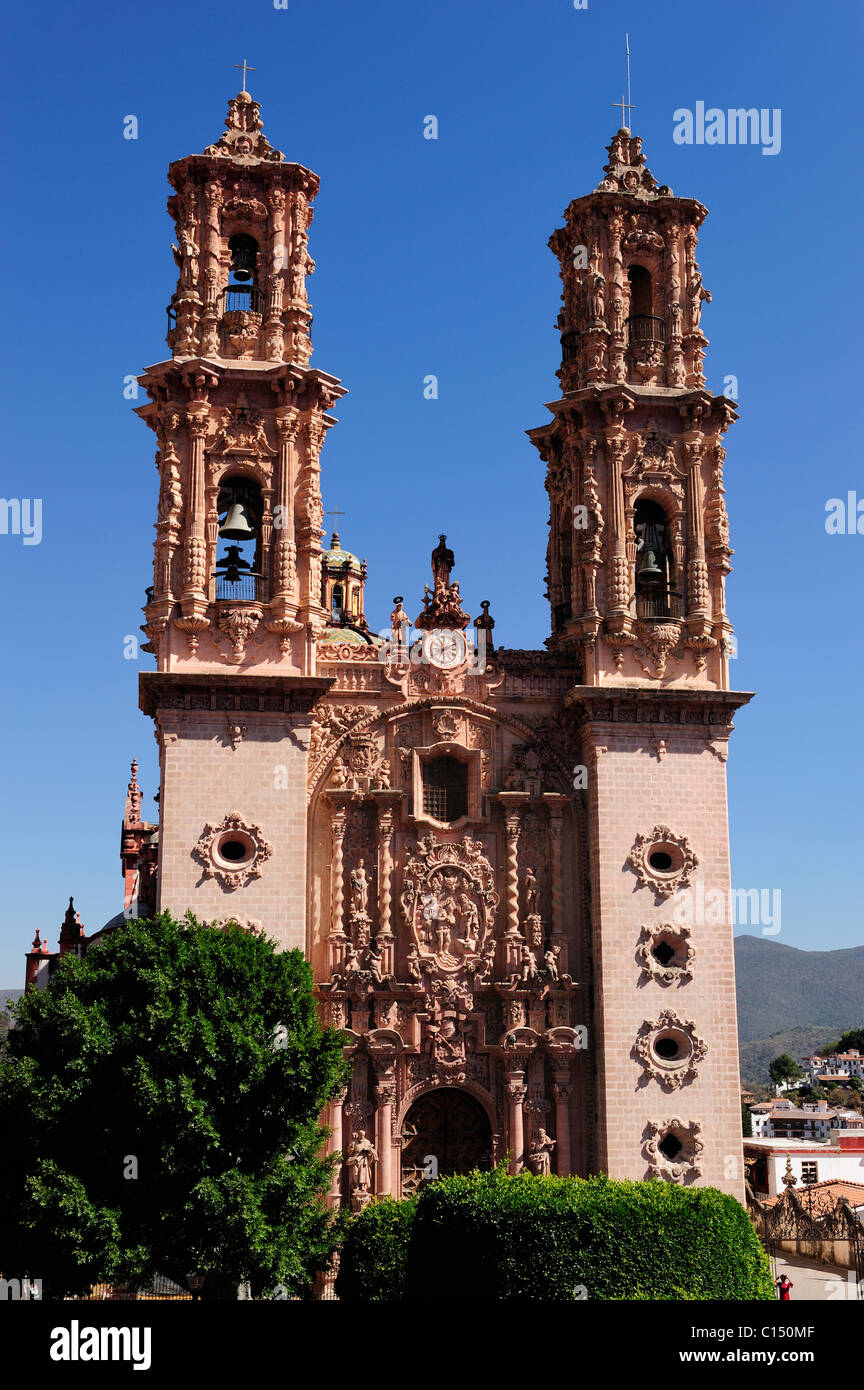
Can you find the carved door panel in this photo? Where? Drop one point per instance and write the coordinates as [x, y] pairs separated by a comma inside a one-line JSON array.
[[449, 1126]]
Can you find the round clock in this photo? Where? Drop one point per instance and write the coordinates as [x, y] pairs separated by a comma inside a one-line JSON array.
[[444, 649]]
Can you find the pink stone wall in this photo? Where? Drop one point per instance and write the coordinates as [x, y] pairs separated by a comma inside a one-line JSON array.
[[264, 780], [632, 791]]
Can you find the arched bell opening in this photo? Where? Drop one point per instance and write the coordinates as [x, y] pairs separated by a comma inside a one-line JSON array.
[[242, 291], [654, 585], [643, 324], [238, 572]]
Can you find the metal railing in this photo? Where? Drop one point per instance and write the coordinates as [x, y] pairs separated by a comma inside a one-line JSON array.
[[658, 603], [248, 297], [646, 328], [249, 588]]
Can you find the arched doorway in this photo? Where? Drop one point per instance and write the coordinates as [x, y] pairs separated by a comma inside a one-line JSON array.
[[449, 1126]]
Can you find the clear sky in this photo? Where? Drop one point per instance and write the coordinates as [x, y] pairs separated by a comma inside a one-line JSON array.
[[431, 258]]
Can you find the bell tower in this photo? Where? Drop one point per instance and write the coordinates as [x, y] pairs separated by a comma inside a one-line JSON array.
[[236, 600], [637, 561], [639, 538], [240, 415]]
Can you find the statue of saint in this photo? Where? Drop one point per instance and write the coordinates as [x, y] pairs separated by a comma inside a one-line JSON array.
[[443, 561], [361, 1156], [539, 1158], [360, 888]]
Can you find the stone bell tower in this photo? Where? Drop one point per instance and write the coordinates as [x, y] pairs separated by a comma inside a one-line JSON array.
[[236, 601], [637, 562]]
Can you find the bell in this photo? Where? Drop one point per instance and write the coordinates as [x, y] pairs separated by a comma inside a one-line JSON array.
[[243, 263], [236, 526], [649, 569]]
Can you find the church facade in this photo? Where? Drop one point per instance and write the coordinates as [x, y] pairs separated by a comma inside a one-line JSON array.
[[485, 853]]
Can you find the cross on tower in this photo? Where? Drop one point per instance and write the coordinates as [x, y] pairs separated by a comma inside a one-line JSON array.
[[625, 106], [244, 65], [336, 512]]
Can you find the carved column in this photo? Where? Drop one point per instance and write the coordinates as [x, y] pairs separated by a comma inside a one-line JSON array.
[[196, 579], [555, 804], [561, 1092], [512, 803], [516, 1091], [338, 821], [385, 1094], [386, 802], [697, 569], [335, 1144], [616, 446]]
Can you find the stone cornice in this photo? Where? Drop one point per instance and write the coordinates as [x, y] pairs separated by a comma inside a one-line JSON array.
[[647, 705], [274, 694]]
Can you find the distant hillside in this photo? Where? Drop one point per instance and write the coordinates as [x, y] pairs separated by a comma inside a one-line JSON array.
[[756, 1056], [780, 987]]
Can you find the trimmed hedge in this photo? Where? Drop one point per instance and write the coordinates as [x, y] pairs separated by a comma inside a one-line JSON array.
[[375, 1251], [492, 1237]]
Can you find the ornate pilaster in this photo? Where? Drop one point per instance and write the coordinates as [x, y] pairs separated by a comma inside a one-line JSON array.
[[338, 802], [561, 1093], [516, 1092], [386, 803], [513, 802]]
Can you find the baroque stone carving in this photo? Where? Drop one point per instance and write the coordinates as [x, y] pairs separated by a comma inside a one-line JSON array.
[[663, 860], [666, 953], [234, 830], [672, 1148], [669, 1049], [448, 903]]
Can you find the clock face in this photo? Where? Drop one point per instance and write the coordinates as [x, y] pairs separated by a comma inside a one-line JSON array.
[[444, 649]]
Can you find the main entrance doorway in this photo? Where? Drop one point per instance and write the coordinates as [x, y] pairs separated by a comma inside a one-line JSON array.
[[449, 1127]]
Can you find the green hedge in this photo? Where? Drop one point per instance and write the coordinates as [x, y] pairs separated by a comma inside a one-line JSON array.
[[491, 1236], [375, 1251]]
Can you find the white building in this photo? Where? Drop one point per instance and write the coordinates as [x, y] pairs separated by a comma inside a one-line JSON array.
[[811, 1162], [835, 1068]]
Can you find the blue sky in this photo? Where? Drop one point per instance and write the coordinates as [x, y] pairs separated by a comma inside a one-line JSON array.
[[431, 258]]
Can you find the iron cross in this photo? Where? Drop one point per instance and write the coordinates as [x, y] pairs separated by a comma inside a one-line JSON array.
[[244, 66]]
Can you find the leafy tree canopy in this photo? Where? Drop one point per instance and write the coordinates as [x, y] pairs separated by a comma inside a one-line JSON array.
[[784, 1068], [159, 1103]]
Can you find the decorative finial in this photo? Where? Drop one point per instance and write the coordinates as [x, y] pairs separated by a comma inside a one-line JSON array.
[[789, 1177]]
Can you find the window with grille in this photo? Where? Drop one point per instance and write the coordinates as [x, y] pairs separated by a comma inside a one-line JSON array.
[[809, 1173], [445, 788]]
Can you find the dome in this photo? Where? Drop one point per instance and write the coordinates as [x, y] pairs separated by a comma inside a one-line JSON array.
[[352, 635], [338, 559]]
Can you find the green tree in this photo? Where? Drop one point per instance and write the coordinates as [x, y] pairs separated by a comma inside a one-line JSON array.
[[159, 1103], [784, 1068], [851, 1041], [746, 1120]]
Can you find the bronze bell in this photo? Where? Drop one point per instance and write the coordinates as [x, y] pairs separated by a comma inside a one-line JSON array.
[[649, 569], [236, 525]]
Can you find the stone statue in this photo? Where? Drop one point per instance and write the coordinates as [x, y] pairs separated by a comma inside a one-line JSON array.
[[530, 893], [596, 297], [551, 959], [539, 1158], [529, 964], [443, 561], [361, 1156], [360, 889], [374, 958], [413, 958], [398, 618], [383, 775], [352, 960]]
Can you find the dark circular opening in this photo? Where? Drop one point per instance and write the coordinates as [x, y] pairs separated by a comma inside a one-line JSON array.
[[663, 953], [661, 861], [667, 1048], [233, 850], [670, 1146]]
